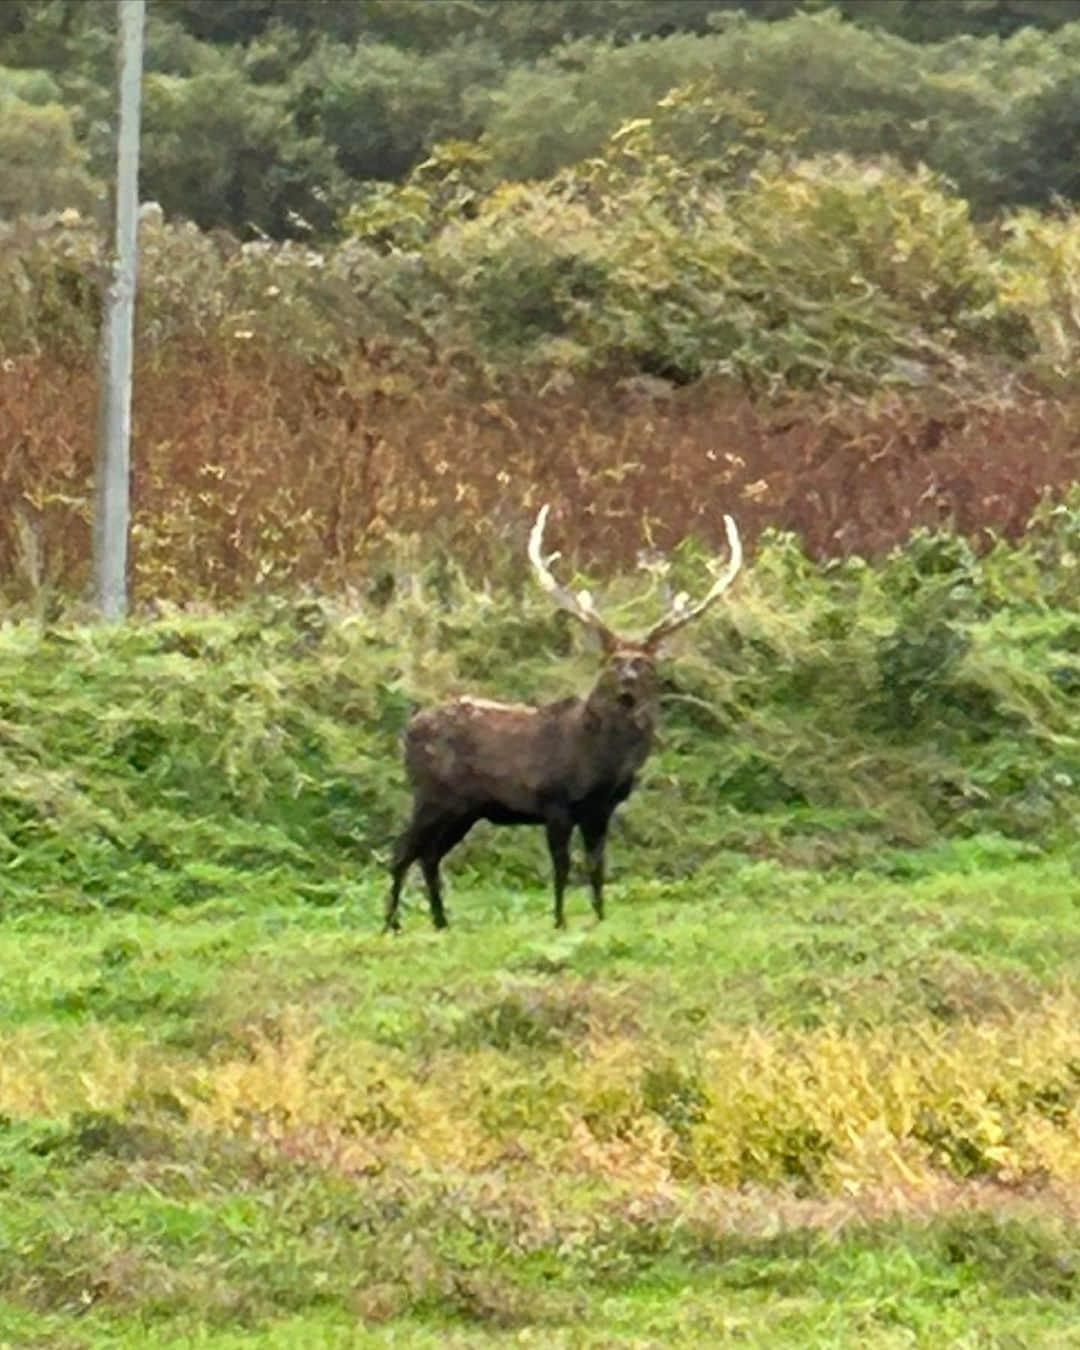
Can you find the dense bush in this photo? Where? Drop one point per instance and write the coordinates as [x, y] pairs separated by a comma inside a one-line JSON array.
[[932, 695], [992, 116], [380, 108], [800, 274], [812, 273], [222, 153], [1039, 277]]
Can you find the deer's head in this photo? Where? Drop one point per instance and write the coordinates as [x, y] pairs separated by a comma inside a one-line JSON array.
[[628, 678]]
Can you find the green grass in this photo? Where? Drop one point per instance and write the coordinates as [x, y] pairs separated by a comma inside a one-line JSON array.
[[127, 1220], [781, 943], [896, 1285]]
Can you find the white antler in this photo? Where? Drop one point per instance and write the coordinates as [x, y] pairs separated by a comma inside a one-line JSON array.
[[580, 605], [682, 612]]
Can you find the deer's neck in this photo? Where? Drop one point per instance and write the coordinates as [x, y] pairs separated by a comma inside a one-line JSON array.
[[621, 735]]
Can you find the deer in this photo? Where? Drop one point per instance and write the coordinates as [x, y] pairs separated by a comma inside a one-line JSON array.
[[562, 765]]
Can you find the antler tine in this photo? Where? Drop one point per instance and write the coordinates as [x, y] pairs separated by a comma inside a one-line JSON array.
[[682, 612], [580, 605]]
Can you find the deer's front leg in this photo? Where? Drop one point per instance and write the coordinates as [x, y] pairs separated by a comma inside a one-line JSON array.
[[594, 833], [559, 826]]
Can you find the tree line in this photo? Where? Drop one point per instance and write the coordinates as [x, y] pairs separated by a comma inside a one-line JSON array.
[[274, 117]]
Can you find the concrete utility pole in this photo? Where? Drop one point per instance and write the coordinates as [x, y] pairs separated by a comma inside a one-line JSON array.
[[112, 485]]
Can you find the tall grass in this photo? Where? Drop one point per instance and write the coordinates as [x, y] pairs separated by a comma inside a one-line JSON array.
[[825, 713], [254, 472]]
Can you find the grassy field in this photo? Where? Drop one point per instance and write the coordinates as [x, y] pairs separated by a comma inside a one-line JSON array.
[[815, 1082], [787, 1109]]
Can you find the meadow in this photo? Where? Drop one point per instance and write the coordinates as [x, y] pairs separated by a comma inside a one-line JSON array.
[[781, 1110], [815, 1082]]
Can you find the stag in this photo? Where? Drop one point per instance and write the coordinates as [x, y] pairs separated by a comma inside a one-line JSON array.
[[562, 765]]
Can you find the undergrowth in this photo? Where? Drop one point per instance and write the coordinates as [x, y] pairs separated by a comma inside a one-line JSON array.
[[257, 472]]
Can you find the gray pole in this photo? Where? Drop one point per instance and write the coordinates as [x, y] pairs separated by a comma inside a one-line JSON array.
[[114, 409]]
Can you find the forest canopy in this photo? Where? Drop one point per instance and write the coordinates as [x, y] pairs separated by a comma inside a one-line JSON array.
[[273, 117]]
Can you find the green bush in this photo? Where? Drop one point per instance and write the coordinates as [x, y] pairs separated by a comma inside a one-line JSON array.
[[42, 166], [568, 106], [256, 117], [31, 86], [807, 273], [195, 285], [992, 116], [769, 272], [522, 272], [1039, 281], [50, 293], [173, 760], [380, 109]]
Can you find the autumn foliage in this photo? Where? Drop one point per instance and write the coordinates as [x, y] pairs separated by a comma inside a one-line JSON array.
[[259, 470]]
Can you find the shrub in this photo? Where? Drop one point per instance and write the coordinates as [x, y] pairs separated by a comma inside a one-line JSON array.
[[1039, 279], [381, 108], [42, 166], [823, 272]]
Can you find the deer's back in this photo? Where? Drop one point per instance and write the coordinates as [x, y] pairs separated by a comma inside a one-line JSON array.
[[478, 751]]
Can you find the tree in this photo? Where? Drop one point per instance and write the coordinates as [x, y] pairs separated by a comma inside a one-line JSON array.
[[222, 151], [1048, 165], [382, 109]]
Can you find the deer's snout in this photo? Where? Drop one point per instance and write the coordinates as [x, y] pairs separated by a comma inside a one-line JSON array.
[[630, 682]]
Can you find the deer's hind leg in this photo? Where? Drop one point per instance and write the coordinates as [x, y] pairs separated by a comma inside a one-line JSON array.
[[405, 854], [436, 847], [594, 828], [416, 842]]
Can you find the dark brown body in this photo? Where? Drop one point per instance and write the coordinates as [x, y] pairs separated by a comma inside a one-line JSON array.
[[563, 765]]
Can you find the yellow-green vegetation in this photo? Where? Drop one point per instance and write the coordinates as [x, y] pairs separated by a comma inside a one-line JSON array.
[[827, 273], [815, 1082], [725, 207], [780, 1109]]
